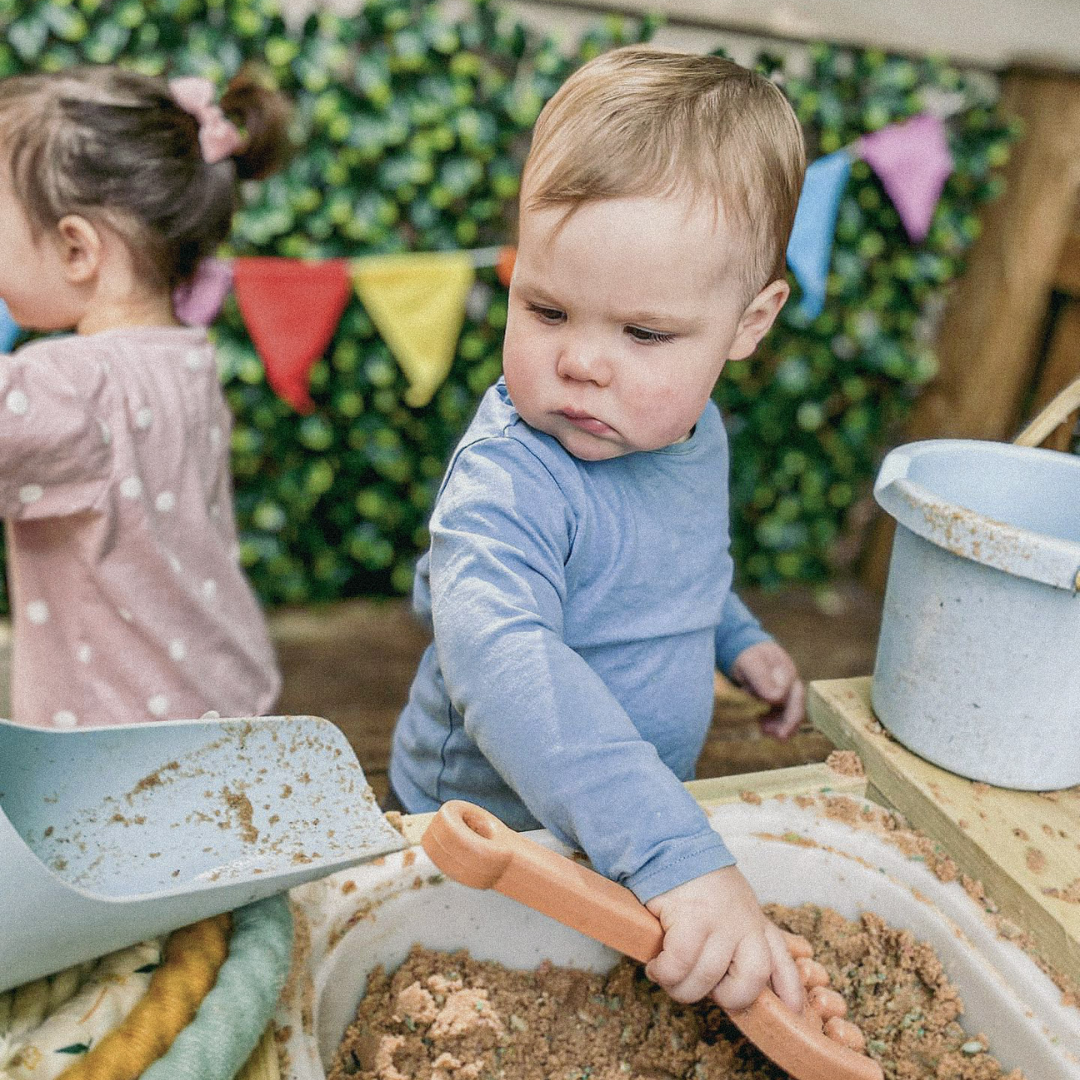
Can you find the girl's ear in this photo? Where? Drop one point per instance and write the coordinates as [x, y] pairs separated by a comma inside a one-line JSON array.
[[759, 315], [80, 247]]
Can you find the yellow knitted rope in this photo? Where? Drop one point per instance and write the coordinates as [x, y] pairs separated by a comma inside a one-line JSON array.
[[193, 956]]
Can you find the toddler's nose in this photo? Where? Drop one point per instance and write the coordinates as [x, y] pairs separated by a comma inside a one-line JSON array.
[[584, 363]]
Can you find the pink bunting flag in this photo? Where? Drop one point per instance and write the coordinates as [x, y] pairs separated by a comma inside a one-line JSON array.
[[197, 302], [912, 160]]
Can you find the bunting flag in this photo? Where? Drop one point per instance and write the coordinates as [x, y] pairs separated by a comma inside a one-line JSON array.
[[291, 309], [9, 329], [197, 302], [417, 303], [809, 250], [913, 161], [504, 265]]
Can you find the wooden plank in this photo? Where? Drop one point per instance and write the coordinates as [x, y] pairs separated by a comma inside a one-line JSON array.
[[798, 780], [1019, 844], [1067, 274], [990, 337], [1061, 367], [986, 33], [413, 826]]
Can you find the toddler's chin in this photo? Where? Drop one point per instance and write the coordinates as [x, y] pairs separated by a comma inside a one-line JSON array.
[[591, 451]]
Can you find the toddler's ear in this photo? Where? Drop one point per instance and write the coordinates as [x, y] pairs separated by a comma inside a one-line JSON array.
[[80, 246], [759, 315]]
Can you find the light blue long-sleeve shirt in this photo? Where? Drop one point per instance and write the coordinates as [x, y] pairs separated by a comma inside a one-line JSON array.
[[578, 609]]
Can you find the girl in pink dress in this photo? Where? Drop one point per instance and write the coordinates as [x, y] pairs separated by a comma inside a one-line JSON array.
[[127, 597]]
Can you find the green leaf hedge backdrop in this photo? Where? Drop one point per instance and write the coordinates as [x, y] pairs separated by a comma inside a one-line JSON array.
[[412, 128]]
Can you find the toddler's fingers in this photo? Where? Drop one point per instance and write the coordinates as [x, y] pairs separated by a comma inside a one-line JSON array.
[[682, 946], [792, 715], [709, 968], [769, 680], [747, 974], [771, 675], [786, 980], [770, 724]]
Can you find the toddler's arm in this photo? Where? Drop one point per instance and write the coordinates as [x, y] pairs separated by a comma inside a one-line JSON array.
[[55, 454], [718, 942], [502, 534], [737, 631]]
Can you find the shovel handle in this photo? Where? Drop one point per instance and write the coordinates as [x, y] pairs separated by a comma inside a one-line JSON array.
[[472, 846], [1056, 411]]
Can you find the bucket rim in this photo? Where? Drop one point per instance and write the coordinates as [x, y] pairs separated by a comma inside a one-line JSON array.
[[1013, 549]]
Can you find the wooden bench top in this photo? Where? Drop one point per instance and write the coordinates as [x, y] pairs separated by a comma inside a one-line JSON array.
[[1023, 846]]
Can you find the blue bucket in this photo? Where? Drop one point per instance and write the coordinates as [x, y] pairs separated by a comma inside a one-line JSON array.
[[977, 663]]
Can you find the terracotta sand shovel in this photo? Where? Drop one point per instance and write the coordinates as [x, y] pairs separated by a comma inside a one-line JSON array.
[[471, 845]]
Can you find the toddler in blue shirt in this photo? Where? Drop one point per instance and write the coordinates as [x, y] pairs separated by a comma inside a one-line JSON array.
[[578, 582]]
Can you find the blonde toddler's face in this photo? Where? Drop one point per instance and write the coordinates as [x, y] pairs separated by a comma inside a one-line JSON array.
[[621, 319]]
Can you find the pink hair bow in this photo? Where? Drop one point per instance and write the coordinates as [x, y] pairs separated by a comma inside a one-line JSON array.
[[218, 137]]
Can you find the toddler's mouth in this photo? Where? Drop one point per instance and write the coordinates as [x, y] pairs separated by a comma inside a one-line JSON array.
[[586, 422]]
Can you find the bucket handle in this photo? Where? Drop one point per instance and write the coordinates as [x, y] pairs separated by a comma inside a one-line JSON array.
[[1053, 414]]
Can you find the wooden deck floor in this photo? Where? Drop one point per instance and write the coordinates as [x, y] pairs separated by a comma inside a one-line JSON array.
[[353, 663]]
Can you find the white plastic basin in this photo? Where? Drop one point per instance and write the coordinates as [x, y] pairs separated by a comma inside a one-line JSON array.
[[372, 915]]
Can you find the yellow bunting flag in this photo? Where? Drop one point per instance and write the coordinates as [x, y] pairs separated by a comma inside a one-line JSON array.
[[417, 303]]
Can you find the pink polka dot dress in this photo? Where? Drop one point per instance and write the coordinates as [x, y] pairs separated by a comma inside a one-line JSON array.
[[127, 597]]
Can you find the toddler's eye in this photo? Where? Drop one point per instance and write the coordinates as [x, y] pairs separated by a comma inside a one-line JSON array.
[[546, 314], [649, 337]]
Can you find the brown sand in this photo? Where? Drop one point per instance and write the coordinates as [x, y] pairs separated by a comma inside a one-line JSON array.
[[447, 1017]]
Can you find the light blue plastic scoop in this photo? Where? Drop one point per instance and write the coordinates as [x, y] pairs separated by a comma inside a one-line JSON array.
[[112, 835]]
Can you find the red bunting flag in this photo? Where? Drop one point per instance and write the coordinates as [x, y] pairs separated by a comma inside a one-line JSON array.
[[291, 310]]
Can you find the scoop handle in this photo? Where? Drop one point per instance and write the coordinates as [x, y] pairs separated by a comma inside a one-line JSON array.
[[472, 846], [1055, 413]]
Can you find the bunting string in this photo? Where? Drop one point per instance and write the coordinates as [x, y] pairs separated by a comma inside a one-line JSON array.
[[911, 159], [417, 300]]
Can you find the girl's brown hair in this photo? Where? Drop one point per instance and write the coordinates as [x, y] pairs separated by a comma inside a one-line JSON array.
[[112, 145], [643, 121]]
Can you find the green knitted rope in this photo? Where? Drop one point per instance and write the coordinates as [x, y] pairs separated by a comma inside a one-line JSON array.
[[233, 1016]]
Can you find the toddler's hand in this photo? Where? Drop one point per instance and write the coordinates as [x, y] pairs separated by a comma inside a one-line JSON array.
[[717, 941], [766, 670]]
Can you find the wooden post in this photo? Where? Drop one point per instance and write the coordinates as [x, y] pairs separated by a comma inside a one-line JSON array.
[[1062, 366], [990, 336], [1062, 363]]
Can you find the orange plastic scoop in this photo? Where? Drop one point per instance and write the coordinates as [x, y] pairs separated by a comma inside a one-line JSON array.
[[471, 845]]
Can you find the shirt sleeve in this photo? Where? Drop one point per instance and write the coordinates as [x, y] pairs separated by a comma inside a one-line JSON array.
[[501, 536], [738, 630], [55, 445]]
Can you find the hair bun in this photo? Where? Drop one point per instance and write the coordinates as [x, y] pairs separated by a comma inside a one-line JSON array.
[[263, 115]]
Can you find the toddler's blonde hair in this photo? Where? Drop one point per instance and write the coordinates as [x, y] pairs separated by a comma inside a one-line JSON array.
[[644, 121]]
